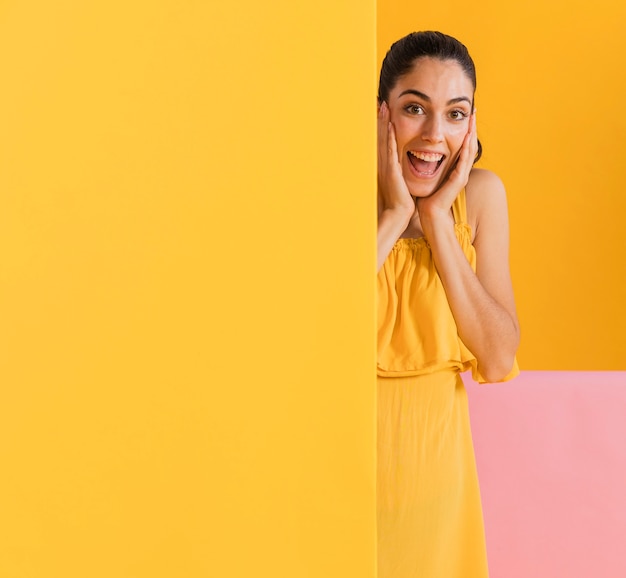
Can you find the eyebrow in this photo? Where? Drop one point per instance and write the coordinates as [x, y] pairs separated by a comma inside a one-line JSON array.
[[428, 99]]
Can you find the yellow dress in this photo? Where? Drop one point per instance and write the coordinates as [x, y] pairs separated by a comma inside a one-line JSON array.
[[428, 501]]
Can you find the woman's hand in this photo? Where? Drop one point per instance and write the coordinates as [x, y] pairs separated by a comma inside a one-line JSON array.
[[392, 189], [396, 206], [439, 204]]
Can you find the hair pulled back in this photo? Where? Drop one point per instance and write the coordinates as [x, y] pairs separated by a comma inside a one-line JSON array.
[[403, 53]]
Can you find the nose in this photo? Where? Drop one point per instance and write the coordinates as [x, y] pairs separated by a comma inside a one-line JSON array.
[[433, 129]]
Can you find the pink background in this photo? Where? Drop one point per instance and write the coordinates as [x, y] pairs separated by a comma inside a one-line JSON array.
[[551, 456]]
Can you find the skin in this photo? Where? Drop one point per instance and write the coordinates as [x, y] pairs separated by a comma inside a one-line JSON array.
[[441, 119]]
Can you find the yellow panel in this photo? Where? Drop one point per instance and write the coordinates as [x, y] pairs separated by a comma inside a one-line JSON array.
[[187, 289], [549, 79]]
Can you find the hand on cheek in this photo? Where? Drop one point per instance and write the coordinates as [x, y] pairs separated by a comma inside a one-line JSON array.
[[440, 202]]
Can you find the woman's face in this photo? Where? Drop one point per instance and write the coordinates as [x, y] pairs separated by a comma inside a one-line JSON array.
[[430, 108]]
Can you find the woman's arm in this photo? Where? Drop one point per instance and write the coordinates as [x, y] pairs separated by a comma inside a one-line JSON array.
[[395, 204], [482, 303]]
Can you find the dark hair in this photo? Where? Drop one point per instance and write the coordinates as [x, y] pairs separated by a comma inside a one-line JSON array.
[[403, 53]]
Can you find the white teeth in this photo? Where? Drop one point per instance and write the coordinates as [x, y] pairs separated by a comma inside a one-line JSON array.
[[428, 157]]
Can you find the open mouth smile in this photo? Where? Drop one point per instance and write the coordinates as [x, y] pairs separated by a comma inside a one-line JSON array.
[[425, 164]]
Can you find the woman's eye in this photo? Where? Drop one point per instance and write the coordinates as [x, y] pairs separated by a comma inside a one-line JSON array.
[[414, 109], [458, 115]]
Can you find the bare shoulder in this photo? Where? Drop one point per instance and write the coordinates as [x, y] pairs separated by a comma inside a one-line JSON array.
[[486, 198], [483, 184]]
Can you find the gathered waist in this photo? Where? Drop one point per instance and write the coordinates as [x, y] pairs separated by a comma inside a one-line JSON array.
[[438, 367]]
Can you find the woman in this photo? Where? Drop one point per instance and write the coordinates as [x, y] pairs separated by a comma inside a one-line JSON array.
[[445, 305]]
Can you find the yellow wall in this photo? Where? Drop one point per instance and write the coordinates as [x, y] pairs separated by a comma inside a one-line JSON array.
[[186, 289], [550, 80]]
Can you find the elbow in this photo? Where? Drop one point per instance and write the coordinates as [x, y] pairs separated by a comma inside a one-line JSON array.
[[499, 362], [497, 359], [492, 373], [497, 369]]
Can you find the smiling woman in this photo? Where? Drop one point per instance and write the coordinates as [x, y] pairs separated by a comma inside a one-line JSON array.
[[430, 124], [445, 305]]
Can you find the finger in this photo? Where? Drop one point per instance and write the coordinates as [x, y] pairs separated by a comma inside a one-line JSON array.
[[470, 143], [383, 113], [393, 159], [474, 121], [460, 174], [463, 162], [383, 132], [474, 132], [392, 145]]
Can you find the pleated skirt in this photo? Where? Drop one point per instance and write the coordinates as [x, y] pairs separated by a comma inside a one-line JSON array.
[[430, 522]]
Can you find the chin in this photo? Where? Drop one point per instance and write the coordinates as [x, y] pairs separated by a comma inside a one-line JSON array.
[[421, 187], [421, 194], [422, 190]]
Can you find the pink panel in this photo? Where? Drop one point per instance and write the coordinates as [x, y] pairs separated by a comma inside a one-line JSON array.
[[551, 455]]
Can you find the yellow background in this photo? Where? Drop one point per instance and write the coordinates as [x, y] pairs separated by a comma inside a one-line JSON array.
[[551, 77], [187, 256], [186, 289]]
